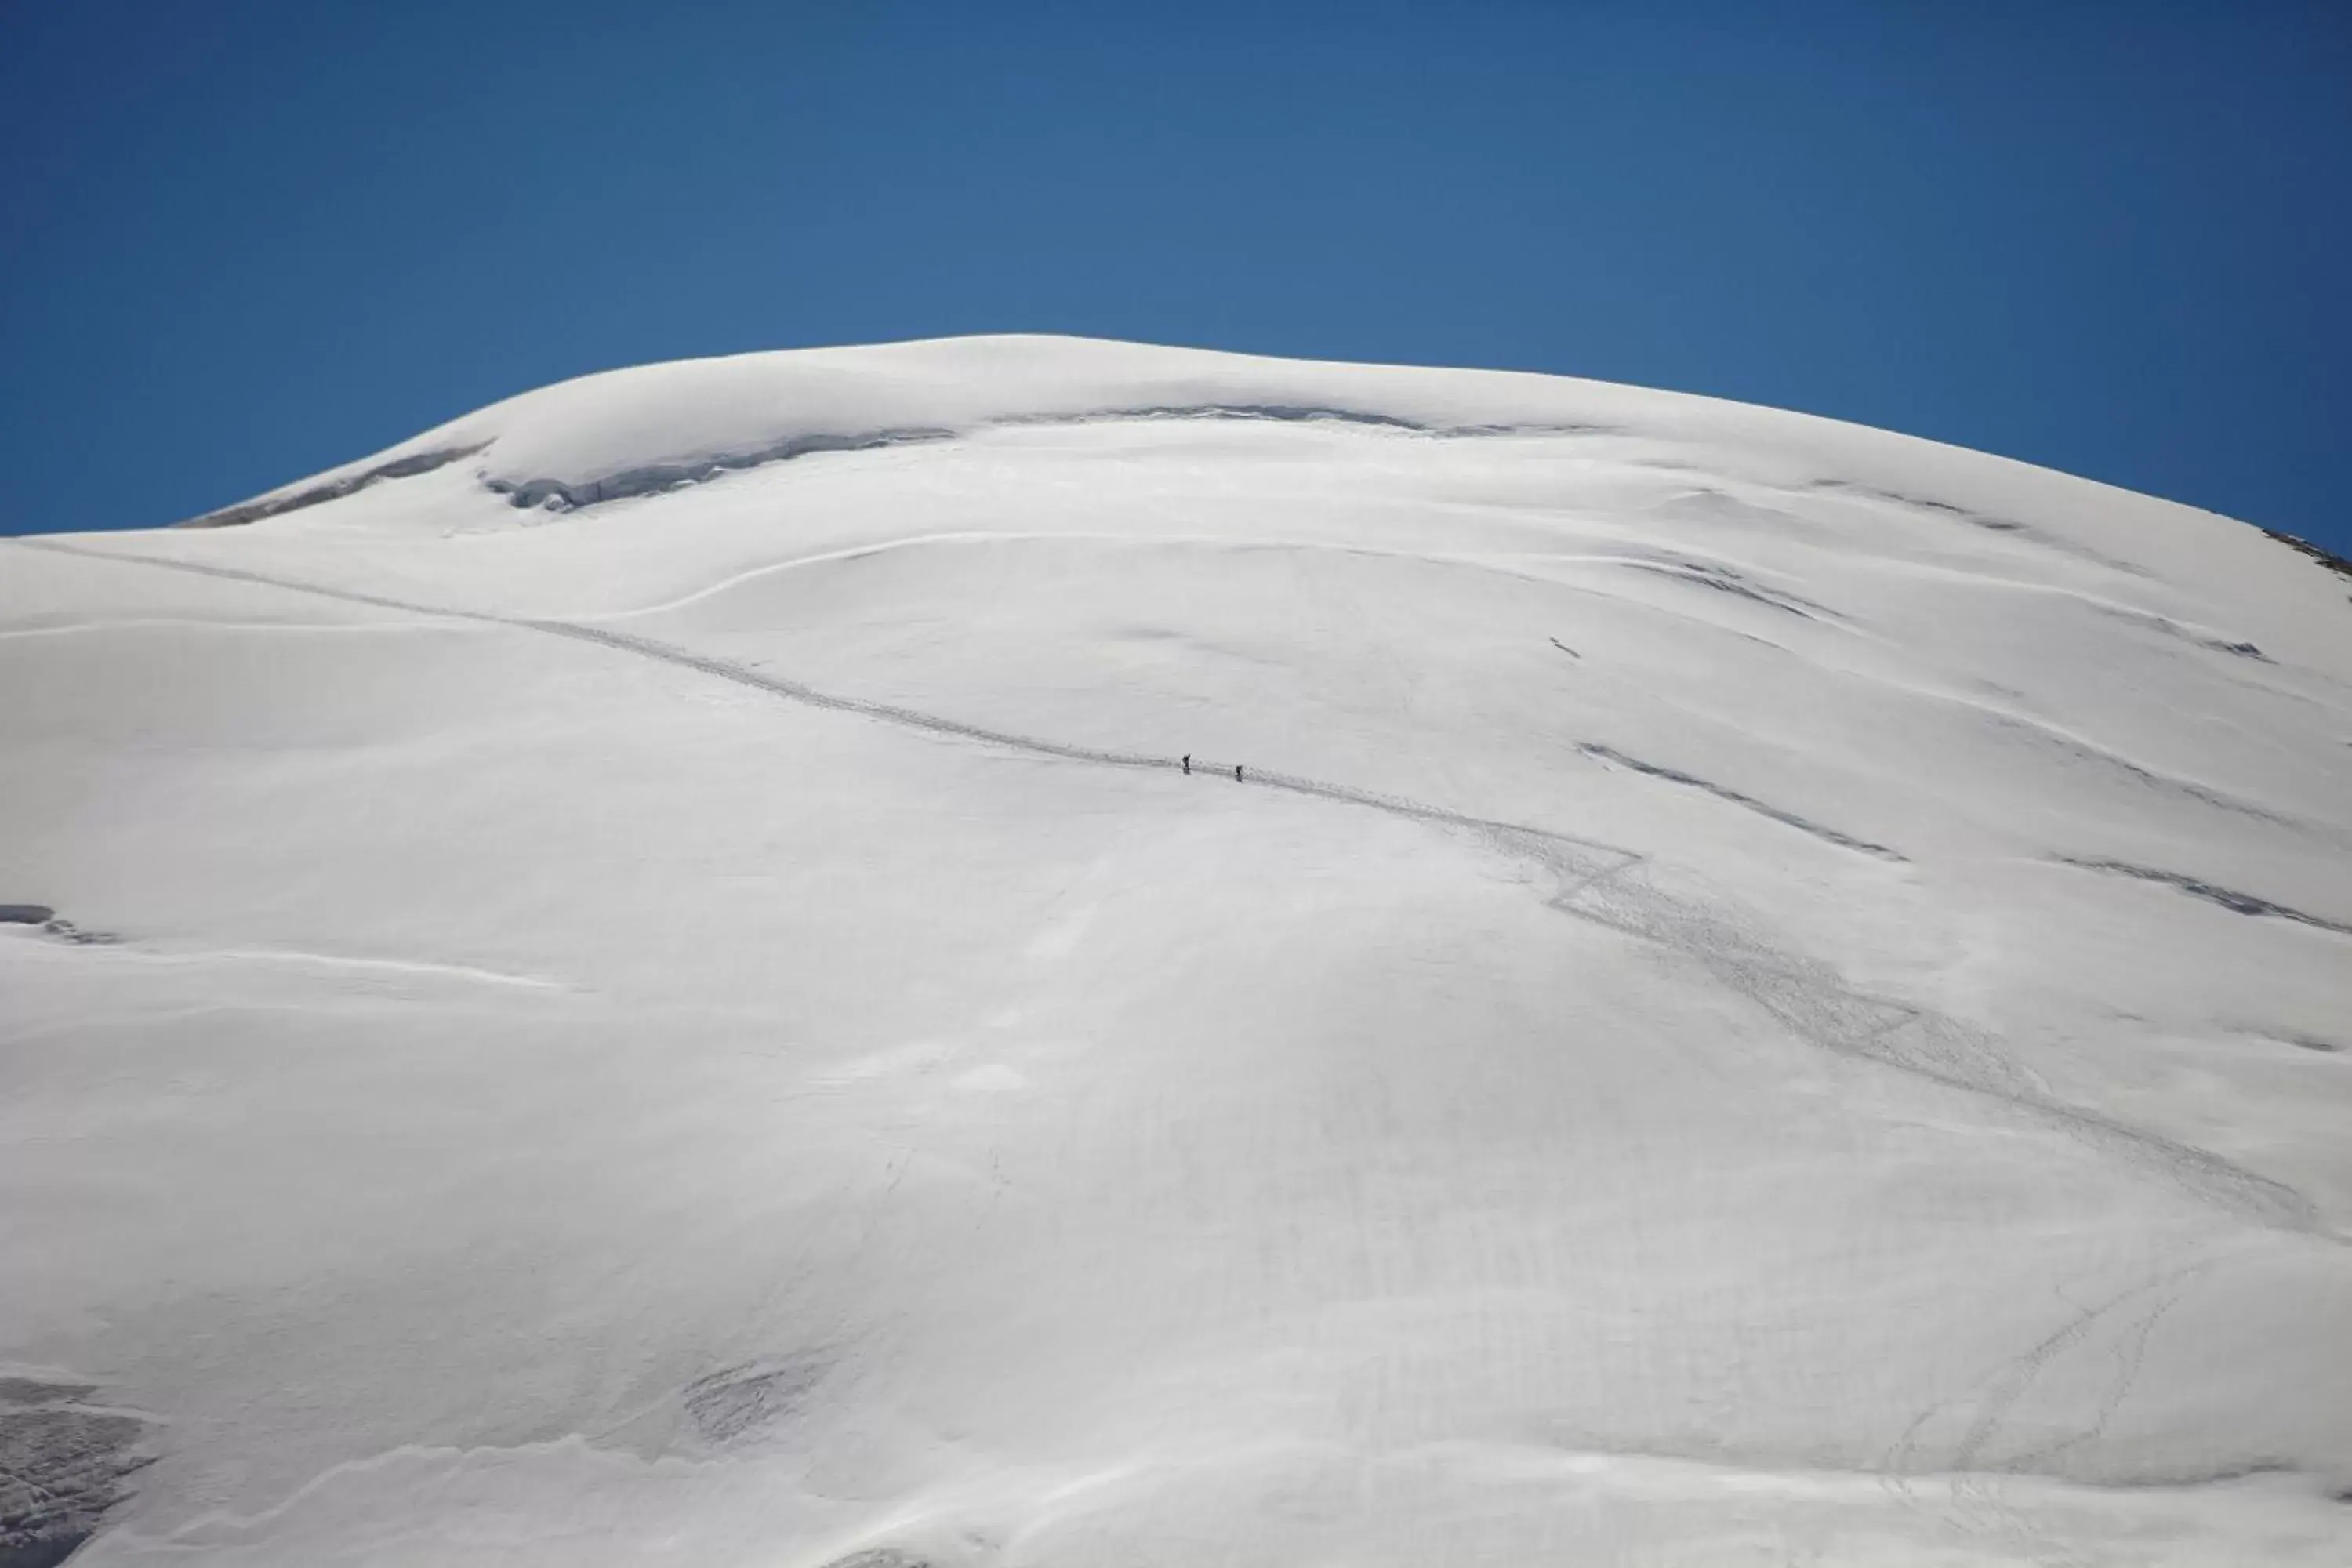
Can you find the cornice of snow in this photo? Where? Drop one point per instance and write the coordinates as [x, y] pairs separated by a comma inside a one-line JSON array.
[[635, 431]]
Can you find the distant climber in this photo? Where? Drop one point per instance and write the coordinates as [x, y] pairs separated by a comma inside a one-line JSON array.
[[1237, 773], [1188, 763]]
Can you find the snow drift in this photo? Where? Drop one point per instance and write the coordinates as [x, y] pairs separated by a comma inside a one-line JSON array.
[[678, 970]]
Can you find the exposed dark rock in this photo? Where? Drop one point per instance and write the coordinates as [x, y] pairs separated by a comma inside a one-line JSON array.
[[745, 1399], [62, 1466], [2333, 562], [55, 925]]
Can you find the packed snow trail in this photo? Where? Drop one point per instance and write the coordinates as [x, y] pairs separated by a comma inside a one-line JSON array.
[[891, 713], [1593, 879]]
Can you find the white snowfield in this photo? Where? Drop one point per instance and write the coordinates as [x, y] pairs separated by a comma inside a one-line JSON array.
[[1766, 992]]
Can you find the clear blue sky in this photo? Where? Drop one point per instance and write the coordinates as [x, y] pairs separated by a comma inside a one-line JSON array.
[[239, 242]]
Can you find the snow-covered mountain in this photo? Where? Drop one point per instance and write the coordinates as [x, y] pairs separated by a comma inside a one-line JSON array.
[[641, 978]]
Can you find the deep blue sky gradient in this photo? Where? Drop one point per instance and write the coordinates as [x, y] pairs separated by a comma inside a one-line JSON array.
[[240, 242]]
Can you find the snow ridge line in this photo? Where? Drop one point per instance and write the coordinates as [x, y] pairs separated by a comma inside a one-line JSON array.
[[333, 490], [1804, 996], [653, 477], [1746, 802], [2230, 898]]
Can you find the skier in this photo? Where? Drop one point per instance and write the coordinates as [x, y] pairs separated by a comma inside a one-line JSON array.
[[1188, 764], [1237, 773]]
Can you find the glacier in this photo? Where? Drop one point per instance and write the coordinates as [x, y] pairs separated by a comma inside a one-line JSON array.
[[678, 970]]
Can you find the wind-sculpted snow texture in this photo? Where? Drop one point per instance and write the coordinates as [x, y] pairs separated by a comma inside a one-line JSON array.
[[645, 978]]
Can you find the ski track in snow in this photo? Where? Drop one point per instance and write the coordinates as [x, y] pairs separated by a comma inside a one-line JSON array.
[[1971, 1479], [1599, 882]]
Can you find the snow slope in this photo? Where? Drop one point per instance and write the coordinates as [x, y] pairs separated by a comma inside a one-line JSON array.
[[637, 979]]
